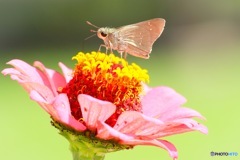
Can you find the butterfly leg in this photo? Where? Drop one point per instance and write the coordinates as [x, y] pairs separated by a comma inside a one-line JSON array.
[[121, 53], [125, 55], [103, 45], [111, 50]]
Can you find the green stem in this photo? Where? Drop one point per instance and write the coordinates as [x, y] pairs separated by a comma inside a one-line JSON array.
[[82, 149], [86, 156]]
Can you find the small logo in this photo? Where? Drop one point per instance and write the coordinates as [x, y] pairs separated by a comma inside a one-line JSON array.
[[223, 153]]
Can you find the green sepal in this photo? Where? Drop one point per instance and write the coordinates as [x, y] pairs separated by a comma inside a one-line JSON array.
[[85, 146]]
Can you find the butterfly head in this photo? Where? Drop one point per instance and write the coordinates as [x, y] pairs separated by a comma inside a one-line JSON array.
[[102, 33]]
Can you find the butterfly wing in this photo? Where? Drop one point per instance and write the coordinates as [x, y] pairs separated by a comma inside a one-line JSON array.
[[140, 37]]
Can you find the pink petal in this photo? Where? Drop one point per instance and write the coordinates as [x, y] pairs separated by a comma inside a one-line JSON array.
[[161, 100], [42, 84], [177, 127], [106, 132], [67, 72], [94, 110], [134, 123], [43, 101], [14, 74], [44, 93], [23, 72], [180, 113], [139, 126], [51, 77], [62, 107], [192, 124], [158, 143]]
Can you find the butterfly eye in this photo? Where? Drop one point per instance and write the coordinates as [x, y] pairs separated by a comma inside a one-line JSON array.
[[103, 34]]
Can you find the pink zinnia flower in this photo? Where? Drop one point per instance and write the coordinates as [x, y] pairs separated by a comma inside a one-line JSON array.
[[104, 105]]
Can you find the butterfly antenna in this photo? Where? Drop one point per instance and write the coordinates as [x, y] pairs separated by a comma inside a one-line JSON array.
[[89, 23], [90, 37]]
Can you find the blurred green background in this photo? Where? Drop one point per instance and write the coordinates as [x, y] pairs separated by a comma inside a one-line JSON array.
[[198, 55]]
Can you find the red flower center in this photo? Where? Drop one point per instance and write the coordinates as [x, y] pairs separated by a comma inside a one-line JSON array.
[[107, 78]]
